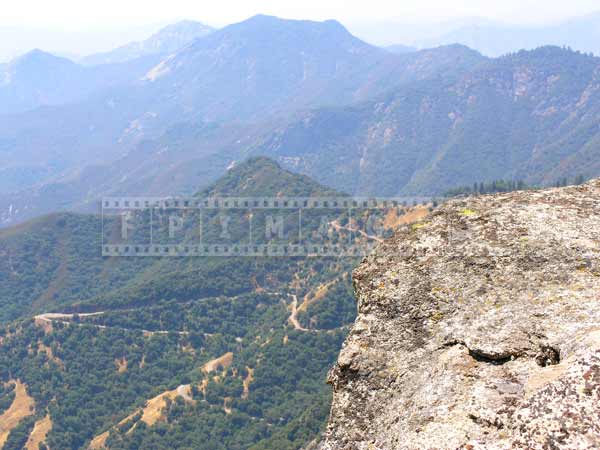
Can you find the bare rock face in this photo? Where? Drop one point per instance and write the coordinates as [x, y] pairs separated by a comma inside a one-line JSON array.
[[478, 329]]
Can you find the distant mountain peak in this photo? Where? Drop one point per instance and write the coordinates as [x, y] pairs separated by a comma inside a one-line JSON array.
[[37, 55], [276, 19], [167, 40], [266, 61], [37, 64], [185, 23], [454, 49], [262, 20], [178, 34], [36, 52]]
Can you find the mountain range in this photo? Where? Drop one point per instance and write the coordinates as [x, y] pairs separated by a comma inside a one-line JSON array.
[[39, 79], [530, 116], [491, 38], [322, 102], [232, 353]]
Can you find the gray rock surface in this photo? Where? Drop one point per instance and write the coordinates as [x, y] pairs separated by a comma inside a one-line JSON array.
[[478, 329]]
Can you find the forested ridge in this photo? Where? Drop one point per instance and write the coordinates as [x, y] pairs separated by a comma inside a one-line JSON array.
[[97, 340]]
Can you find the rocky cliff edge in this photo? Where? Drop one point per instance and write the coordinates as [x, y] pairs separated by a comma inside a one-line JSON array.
[[478, 329]]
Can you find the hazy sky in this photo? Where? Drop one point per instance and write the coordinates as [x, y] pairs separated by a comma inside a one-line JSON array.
[[78, 14], [79, 27]]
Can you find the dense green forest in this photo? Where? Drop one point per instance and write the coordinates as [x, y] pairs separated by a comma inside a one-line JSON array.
[[85, 393], [276, 323]]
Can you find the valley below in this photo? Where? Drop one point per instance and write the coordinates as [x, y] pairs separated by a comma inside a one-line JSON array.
[[275, 235]]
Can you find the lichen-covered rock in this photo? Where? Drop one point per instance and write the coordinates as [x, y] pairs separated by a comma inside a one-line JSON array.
[[478, 329]]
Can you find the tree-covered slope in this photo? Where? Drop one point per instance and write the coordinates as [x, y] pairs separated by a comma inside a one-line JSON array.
[[55, 261], [212, 353], [530, 115]]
